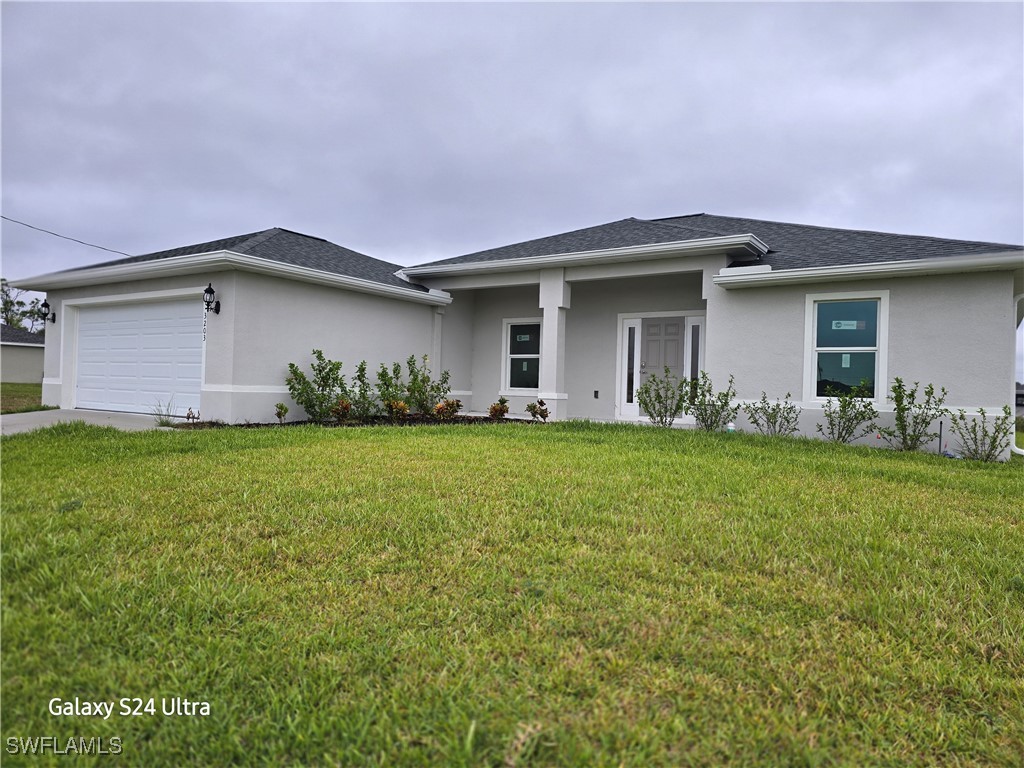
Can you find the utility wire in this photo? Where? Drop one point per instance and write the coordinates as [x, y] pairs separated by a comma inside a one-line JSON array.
[[73, 239]]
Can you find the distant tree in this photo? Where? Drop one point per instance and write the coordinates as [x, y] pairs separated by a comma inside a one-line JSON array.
[[15, 311], [13, 306]]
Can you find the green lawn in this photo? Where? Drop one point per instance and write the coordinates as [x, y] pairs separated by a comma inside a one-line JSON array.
[[18, 398], [513, 595]]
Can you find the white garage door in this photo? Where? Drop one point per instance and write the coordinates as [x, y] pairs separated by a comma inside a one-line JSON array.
[[140, 357]]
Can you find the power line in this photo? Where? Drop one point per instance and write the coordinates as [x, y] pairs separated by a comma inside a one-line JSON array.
[[73, 239]]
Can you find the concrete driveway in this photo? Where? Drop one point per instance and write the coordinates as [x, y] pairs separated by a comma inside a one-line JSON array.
[[13, 423]]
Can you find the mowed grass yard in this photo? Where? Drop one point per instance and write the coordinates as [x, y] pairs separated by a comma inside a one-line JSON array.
[[18, 398], [513, 595]]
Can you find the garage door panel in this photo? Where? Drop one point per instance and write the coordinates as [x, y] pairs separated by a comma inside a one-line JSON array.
[[140, 357]]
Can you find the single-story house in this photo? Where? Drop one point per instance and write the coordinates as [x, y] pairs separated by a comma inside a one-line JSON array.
[[578, 319], [21, 356]]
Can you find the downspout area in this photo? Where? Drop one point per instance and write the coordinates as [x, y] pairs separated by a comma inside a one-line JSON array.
[[1018, 315]]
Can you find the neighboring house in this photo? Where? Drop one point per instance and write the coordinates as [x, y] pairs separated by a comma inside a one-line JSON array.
[[21, 356], [579, 319]]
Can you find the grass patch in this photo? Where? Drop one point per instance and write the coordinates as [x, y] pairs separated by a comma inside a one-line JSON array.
[[22, 398], [575, 594]]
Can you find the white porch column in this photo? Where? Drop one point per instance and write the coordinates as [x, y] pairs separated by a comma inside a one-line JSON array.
[[554, 301]]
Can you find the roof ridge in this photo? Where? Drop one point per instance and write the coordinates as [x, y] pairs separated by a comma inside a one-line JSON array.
[[846, 229], [256, 239], [664, 223]]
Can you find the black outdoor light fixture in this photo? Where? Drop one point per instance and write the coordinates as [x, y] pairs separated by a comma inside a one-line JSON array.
[[47, 315], [210, 299]]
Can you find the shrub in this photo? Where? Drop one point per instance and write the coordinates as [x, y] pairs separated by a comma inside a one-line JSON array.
[[913, 418], [422, 391], [538, 410], [498, 410], [390, 386], [979, 440], [711, 410], [849, 415], [364, 403], [317, 395], [663, 398], [396, 409], [341, 409], [779, 418], [447, 409], [280, 411]]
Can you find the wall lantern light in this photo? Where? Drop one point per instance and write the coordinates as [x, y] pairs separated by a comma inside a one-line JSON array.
[[210, 299], [47, 315]]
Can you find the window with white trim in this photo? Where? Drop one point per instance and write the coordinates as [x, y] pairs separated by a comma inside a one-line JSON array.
[[522, 354], [848, 350]]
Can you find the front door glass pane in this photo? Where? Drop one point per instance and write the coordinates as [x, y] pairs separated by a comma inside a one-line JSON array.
[[630, 353]]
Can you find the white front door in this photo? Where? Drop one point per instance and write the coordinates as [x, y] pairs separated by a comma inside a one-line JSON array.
[[650, 343], [140, 357]]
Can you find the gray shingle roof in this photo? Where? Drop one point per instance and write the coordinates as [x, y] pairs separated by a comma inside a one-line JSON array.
[[287, 247], [11, 335], [791, 246]]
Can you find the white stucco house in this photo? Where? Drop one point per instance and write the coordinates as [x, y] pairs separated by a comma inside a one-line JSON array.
[[21, 356], [578, 319]]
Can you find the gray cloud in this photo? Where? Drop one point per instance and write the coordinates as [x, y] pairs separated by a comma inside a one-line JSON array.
[[422, 131]]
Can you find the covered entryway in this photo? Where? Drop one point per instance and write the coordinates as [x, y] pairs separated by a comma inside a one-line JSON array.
[[140, 358], [651, 342]]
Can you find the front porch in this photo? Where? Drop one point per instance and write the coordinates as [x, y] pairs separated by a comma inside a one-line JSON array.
[[583, 346]]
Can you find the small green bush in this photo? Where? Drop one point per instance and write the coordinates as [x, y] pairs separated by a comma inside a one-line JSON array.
[[849, 415], [318, 394], [280, 411], [978, 439], [913, 418], [663, 398], [364, 403], [390, 386], [779, 418], [711, 410], [422, 391]]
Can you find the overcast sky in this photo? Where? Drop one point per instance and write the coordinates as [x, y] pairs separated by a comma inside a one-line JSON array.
[[413, 132]]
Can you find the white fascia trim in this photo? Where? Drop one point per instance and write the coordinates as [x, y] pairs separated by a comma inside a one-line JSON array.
[[20, 344], [183, 265], [630, 253], [743, 277]]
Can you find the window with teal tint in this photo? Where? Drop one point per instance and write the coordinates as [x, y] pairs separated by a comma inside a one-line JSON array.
[[847, 324], [846, 346], [523, 350]]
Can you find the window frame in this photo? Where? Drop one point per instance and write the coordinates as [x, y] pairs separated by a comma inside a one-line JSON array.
[[811, 349], [506, 356]]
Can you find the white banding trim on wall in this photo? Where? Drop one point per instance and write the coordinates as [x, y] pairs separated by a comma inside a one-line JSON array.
[[243, 388]]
